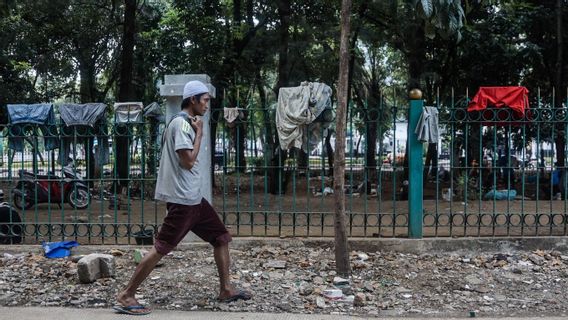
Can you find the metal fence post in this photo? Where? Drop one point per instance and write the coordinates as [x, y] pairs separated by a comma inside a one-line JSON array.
[[415, 167]]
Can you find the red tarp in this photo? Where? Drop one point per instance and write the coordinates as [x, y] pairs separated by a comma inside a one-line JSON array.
[[514, 98]]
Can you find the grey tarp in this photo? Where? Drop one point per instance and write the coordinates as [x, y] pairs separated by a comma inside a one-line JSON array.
[[427, 127], [154, 111], [82, 114], [91, 115], [297, 108]]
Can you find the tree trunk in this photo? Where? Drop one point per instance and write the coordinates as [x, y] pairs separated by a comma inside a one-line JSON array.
[[125, 91], [88, 93], [123, 140], [276, 171], [87, 88], [561, 132], [284, 13], [341, 245]]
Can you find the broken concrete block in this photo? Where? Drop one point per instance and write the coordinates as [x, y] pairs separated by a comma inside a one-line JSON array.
[[95, 266]]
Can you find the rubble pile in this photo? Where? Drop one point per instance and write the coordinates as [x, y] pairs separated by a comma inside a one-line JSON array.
[[303, 280]]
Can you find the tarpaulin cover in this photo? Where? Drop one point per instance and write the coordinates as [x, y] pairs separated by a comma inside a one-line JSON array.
[[82, 114], [513, 98], [21, 115], [41, 113], [154, 111]]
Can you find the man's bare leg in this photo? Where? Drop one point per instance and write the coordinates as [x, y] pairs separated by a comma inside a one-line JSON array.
[[223, 261], [148, 263], [226, 290]]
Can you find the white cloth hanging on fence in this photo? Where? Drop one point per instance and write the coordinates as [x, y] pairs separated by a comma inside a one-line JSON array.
[[231, 114], [128, 112], [297, 108], [427, 127]]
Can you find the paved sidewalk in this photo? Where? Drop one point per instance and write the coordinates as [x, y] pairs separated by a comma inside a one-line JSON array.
[[37, 313]]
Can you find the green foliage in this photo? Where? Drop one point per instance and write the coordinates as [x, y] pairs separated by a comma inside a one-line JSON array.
[[70, 49]]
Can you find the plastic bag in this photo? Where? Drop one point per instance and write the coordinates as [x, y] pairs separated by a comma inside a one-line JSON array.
[[59, 249]]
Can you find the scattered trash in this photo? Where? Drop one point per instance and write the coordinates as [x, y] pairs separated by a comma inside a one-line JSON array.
[[333, 294], [276, 264], [59, 249], [362, 256], [139, 254], [116, 252], [320, 303], [338, 281]]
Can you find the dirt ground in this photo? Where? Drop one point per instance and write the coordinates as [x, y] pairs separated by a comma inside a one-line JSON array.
[[303, 211]]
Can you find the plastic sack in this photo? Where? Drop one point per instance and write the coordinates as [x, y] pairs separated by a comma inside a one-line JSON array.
[[59, 249]]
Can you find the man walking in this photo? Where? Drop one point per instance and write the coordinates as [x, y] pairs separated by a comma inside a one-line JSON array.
[[178, 185]]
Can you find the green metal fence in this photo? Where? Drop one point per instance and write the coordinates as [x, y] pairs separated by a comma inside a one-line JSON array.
[[502, 178], [262, 191]]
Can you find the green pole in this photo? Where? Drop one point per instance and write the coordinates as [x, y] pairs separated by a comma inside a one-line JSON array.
[[415, 167]]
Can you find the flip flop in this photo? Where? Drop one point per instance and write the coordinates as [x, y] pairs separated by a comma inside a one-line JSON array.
[[240, 295], [128, 310]]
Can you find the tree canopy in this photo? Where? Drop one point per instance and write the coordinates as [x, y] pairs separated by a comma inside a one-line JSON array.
[[84, 51]]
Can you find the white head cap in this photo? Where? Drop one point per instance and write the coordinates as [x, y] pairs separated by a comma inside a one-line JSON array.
[[194, 88]]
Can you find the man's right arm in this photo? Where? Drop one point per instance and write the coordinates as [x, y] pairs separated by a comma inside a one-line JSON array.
[[188, 157]]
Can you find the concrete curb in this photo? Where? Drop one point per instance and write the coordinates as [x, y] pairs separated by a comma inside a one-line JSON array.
[[48, 313], [415, 246]]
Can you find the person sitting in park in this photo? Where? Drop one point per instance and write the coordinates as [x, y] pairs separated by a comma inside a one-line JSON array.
[[550, 188]]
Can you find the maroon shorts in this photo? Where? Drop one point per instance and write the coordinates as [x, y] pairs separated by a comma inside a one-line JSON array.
[[201, 219]]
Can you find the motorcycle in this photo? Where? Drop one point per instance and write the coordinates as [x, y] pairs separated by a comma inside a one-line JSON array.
[[32, 189]]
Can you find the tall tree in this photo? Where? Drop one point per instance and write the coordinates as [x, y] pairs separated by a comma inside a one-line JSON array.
[[341, 244], [559, 92], [125, 91], [123, 137]]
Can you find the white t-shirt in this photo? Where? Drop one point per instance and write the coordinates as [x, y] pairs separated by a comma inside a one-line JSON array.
[[176, 184]]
